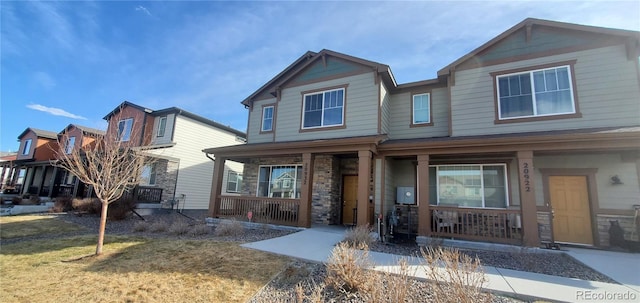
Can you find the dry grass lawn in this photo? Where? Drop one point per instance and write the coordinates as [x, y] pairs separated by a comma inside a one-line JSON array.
[[133, 270], [30, 225]]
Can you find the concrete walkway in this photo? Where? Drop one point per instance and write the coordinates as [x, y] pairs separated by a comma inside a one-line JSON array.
[[315, 244]]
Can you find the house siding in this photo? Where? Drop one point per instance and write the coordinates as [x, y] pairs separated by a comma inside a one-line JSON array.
[[137, 128], [195, 170], [361, 105], [168, 132], [601, 103], [400, 116], [34, 141], [385, 109]]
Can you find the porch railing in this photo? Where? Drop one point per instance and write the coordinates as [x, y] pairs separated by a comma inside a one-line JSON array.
[[490, 225], [266, 210], [146, 194]]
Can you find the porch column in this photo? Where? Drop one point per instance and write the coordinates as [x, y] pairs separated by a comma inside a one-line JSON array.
[[4, 168], [216, 186], [528, 207], [53, 180], [364, 176], [424, 214], [306, 191]]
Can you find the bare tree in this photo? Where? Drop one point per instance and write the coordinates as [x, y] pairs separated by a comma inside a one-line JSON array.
[[110, 165]]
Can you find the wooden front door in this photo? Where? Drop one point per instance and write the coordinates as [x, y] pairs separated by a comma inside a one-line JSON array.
[[570, 203], [349, 199]]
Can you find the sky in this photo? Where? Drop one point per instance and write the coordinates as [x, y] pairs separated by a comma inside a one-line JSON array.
[[73, 62]]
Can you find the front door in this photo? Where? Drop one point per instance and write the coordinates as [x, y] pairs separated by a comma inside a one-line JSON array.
[[570, 203], [349, 199]]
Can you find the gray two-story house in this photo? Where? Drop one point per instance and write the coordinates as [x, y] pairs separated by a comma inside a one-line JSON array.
[[533, 136]]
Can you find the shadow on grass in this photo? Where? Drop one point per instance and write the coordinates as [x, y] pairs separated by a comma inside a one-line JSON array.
[[39, 246]]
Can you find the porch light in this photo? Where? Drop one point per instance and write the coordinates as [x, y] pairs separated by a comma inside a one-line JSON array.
[[615, 180]]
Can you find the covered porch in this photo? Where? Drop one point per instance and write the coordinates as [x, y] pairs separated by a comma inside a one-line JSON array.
[[298, 183]]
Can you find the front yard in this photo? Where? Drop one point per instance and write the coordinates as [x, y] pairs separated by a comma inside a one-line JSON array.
[[132, 269]]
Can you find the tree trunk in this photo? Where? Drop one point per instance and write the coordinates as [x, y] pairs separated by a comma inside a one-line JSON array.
[[103, 225]]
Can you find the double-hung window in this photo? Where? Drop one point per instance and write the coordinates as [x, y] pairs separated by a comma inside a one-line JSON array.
[[536, 93], [27, 147], [421, 109], [162, 125], [124, 129], [68, 148], [279, 181], [148, 176], [267, 119], [234, 182], [469, 185], [323, 109]]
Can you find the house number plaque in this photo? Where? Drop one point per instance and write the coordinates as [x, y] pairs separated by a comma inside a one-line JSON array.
[[526, 177]]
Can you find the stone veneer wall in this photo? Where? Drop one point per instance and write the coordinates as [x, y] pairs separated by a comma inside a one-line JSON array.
[[325, 205], [631, 230], [544, 226], [166, 177]]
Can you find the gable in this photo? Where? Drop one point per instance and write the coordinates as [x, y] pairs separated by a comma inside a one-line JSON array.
[[539, 41], [328, 68]]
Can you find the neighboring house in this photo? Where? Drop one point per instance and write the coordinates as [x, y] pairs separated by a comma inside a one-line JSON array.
[[174, 138], [533, 135], [31, 172]]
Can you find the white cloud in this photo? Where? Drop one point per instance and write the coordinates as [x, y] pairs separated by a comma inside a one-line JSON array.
[[55, 111], [143, 9]]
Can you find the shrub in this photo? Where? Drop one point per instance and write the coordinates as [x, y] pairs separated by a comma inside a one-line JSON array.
[[121, 208], [140, 226], [179, 228], [229, 228], [88, 205], [200, 229], [17, 200], [158, 227], [347, 269], [359, 237], [62, 204], [33, 200], [457, 277]]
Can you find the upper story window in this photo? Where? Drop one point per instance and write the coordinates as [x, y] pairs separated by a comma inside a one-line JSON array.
[[536, 93], [68, 147], [267, 119], [162, 125], [234, 182], [421, 109], [322, 109], [124, 129], [27, 147]]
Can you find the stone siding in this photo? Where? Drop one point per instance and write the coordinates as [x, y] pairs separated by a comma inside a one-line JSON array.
[[631, 230], [166, 177]]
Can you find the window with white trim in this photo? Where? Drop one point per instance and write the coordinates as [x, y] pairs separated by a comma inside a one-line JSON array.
[[148, 176], [124, 129], [162, 125], [68, 148], [234, 182], [421, 109], [323, 109], [279, 181], [536, 93], [469, 185], [27, 147], [267, 119]]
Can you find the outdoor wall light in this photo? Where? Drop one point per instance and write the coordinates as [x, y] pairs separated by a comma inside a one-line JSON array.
[[615, 180]]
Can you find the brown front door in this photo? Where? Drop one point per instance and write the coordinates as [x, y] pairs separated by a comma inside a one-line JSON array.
[[349, 199], [570, 203]]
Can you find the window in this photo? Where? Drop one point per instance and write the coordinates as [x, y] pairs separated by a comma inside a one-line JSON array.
[[279, 181], [68, 148], [124, 129], [267, 119], [148, 176], [234, 182], [469, 185], [542, 92], [27, 147], [162, 125], [323, 109], [421, 109]]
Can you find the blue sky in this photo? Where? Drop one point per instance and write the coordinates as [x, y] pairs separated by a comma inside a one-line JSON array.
[[73, 62]]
